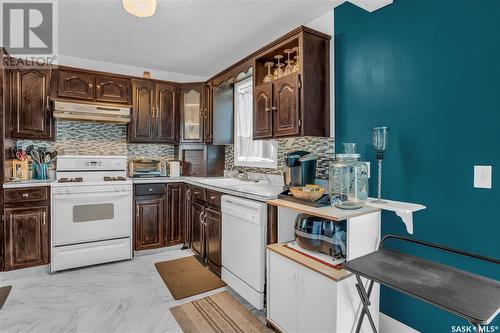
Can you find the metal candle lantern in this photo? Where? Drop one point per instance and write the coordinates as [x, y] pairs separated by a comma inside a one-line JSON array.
[[379, 143]]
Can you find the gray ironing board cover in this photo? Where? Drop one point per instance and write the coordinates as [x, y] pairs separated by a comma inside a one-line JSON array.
[[470, 296]]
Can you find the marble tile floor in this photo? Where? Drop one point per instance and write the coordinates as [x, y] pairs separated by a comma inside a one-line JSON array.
[[127, 296]]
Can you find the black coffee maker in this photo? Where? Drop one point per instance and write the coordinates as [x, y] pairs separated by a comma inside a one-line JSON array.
[[301, 168]]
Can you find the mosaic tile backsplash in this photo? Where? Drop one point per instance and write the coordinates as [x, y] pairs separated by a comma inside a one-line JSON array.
[[87, 138], [323, 148]]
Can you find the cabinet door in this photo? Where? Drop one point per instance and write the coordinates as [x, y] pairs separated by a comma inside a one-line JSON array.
[[207, 114], [317, 302], [175, 214], [197, 229], [282, 298], [31, 115], [213, 235], [141, 124], [149, 223], [286, 101], [75, 85], [262, 111], [112, 89], [26, 237], [187, 216], [166, 115], [192, 113]]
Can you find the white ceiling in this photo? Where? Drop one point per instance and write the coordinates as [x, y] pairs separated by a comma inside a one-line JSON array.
[[194, 37]]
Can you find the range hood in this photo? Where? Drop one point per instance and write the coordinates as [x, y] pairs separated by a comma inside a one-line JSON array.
[[91, 112]]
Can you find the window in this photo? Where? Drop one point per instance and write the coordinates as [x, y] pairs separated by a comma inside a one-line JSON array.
[[247, 152]]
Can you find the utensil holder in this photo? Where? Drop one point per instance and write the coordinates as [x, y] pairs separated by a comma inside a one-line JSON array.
[[41, 171]]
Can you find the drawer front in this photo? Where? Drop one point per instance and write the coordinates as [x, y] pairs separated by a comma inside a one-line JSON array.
[[198, 193], [29, 194], [149, 189], [213, 198]]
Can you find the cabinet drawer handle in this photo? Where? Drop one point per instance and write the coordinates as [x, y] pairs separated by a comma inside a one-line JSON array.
[[25, 195], [213, 197], [150, 189]]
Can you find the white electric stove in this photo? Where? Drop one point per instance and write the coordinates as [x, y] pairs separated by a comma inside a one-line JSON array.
[[91, 211]]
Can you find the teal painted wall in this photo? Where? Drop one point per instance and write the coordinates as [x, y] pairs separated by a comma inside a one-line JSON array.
[[429, 69]]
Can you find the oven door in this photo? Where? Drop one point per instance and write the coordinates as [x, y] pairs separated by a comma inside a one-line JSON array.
[[91, 213]]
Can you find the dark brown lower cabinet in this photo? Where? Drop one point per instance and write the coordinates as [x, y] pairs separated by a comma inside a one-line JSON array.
[[149, 226], [213, 226], [25, 229], [159, 215], [175, 214], [197, 229], [206, 223]]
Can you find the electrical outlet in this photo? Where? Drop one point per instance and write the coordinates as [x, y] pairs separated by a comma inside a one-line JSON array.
[[482, 176]]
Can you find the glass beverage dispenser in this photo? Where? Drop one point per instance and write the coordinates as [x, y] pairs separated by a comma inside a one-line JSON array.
[[348, 181]]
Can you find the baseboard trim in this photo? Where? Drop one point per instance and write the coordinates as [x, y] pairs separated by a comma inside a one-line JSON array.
[[390, 325]]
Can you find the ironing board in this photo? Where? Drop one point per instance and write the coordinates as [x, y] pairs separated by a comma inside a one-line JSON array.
[[473, 297]]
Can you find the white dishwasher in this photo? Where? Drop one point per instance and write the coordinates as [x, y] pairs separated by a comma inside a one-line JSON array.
[[243, 247]]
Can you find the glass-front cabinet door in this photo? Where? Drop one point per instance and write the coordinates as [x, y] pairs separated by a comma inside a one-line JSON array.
[[192, 113]]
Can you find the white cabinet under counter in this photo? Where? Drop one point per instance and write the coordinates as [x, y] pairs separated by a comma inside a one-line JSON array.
[[306, 295]]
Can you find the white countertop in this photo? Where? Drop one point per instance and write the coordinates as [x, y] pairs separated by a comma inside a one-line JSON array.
[[260, 191], [28, 183]]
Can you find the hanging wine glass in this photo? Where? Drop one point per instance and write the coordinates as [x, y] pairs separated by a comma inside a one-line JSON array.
[[278, 72], [289, 67], [269, 77], [296, 66]]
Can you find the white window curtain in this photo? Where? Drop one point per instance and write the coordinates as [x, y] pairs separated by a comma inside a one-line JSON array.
[[258, 153]]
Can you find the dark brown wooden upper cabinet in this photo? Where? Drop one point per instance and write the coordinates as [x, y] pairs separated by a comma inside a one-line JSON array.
[[208, 114], [192, 112], [31, 116], [78, 85], [141, 127], [263, 113], [112, 90], [222, 114], [299, 99], [286, 101], [167, 113]]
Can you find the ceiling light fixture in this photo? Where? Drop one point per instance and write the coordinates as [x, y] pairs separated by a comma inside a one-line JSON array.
[[140, 8]]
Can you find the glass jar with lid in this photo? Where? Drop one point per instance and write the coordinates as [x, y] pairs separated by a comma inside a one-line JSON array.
[[348, 179]]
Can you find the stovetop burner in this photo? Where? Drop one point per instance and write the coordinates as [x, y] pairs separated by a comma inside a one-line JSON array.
[[71, 180], [114, 179]]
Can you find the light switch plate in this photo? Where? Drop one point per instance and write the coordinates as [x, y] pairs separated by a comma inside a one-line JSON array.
[[482, 176]]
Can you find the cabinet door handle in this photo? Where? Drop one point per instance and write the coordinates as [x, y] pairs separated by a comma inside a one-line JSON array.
[[301, 287], [44, 218], [294, 281], [267, 109], [188, 193], [48, 102], [274, 108], [212, 197]]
